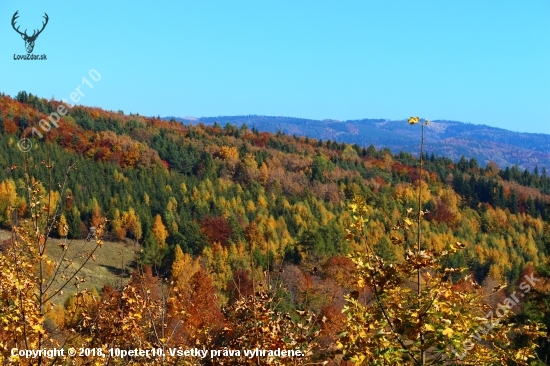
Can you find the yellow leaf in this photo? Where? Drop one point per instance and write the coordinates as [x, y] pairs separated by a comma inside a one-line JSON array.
[[414, 120], [408, 222], [38, 328], [448, 332]]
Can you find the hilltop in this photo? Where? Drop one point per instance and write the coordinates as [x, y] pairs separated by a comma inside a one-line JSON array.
[[450, 139]]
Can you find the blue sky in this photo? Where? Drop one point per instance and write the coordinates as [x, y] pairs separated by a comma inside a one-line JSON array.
[[473, 61]]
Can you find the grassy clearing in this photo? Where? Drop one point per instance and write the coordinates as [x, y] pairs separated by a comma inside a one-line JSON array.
[[112, 264]]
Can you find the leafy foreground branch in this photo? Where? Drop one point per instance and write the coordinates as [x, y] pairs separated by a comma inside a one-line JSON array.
[[444, 322]]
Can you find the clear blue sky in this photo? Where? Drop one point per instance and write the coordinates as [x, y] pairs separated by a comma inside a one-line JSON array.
[[473, 61]]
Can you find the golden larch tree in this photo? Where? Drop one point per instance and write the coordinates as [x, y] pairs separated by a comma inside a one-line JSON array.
[[62, 226], [159, 231]]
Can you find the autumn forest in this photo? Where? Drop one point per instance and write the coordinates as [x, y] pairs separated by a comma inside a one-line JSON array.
[[243, 239]]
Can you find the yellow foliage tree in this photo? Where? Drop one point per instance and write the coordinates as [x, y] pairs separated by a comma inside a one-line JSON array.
[[228, 153], [183, 268], [408, 193], [217, 264], [117, 226], [171, 215], [51, 200], [62, 226], [159, 231], [96, 214], [20, 317], [349, 153], [254, 236], [8, 198], [263, 174], [132, 224]]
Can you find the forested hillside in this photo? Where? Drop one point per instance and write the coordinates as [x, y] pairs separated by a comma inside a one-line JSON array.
[[224, 209]]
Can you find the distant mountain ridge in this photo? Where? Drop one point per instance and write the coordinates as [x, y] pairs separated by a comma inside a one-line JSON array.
[[443, 138]]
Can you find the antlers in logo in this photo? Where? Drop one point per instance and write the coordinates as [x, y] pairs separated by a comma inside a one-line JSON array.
[[29, 40]]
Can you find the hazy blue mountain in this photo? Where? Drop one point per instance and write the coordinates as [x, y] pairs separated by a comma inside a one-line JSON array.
[[443, 138]]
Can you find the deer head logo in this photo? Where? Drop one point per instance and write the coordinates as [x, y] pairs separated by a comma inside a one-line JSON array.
[[29, 40]]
